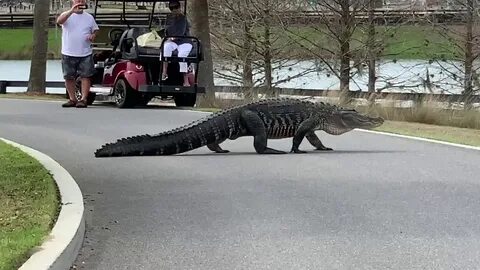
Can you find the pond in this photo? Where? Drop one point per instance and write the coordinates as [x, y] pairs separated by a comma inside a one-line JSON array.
[[400, 76]]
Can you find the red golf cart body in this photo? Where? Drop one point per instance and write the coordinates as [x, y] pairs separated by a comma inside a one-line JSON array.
[[129, 74]]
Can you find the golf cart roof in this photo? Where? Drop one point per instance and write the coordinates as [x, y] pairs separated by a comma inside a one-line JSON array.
[[120, 12]]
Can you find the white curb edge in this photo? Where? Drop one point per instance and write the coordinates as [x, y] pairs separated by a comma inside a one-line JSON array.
[[420, 139], [401, 136], [61, 247]]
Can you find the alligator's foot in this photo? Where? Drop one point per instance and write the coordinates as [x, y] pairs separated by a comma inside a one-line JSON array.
[[297, 151], [323, 148], [271, 151], [217, 149]]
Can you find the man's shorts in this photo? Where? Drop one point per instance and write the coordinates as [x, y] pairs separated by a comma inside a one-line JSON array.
[[81, 66]]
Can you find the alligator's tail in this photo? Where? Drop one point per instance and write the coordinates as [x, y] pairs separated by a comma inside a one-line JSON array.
[[183, 139]]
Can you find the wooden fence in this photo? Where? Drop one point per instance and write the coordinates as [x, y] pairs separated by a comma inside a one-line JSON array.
[[236, 90], [17, 20], [115, 18]]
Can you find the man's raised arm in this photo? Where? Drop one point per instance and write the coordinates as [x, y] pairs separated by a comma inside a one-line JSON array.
[[64, 16]]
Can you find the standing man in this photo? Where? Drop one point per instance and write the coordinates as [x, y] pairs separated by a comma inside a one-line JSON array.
[[78, 32]]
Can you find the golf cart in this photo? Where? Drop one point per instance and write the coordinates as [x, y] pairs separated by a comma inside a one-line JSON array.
[[129, 73]]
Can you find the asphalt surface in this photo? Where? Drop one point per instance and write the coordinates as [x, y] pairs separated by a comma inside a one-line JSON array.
[[376, 202]]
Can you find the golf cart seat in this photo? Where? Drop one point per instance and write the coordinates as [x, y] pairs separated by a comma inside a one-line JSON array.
[[132, 51]]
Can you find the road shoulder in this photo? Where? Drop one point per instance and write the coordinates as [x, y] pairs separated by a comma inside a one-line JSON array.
[[65, 240]]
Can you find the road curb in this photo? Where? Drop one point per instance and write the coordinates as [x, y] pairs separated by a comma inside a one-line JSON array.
[[421, 139], [63, 243]]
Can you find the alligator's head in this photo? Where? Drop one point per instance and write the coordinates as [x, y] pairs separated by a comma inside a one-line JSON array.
[[343, 120]]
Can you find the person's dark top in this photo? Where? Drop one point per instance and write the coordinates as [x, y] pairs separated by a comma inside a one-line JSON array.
[[177, 25]]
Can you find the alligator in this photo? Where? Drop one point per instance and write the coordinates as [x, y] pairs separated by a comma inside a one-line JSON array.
[[273, 118]]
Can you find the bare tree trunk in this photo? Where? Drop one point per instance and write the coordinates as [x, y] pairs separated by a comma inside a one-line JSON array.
[[371, 47], [247, 56], [371, 52], [345, 53], [38, 66], [267, 55], [468, 85], [198, 11]]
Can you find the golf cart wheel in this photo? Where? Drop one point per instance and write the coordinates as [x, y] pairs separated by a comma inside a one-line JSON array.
[[124, 94], [185, 100]]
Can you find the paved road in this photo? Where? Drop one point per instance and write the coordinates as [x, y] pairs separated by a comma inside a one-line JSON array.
[[377, 202]]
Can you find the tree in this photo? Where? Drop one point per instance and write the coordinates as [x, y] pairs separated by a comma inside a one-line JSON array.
[[459, 45], [199, 16], [251, 46], [330, 39], [38, 65], [377, 34], [232, 41], [371, 53]]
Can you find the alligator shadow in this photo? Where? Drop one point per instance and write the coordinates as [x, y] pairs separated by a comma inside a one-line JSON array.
[[309, 152], [109, 105], [155, 106]]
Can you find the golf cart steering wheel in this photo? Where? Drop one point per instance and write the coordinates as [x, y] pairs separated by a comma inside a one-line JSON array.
[[115, 34]]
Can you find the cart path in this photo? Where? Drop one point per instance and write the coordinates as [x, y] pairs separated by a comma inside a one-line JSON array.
[[377, 202]]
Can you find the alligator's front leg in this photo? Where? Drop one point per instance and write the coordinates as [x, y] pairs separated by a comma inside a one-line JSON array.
[[215, 147], [305, 128], [315, 141], [256, 128]]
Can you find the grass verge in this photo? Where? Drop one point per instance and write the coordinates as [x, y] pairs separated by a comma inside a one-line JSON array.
[[29, 205], [458, 135], [428, 114]]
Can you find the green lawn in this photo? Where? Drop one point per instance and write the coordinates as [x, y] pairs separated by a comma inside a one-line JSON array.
[[404, 42], [17, 43], [29, 205]]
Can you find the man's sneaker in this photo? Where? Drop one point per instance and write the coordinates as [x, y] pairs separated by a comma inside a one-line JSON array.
[[69, 103], [81, 104]]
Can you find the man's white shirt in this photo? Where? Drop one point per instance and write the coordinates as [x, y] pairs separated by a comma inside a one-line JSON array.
[[75, 32]]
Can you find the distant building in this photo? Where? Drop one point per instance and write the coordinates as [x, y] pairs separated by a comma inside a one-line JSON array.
[[404, 4], [422, 4], [399, 4]]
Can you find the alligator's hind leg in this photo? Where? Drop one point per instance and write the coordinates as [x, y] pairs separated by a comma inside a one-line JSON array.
[[215, 147], [305, 128], [315, 141], [256, 128]]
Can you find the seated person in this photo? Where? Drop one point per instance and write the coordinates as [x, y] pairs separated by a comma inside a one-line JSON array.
[[177, 25]]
